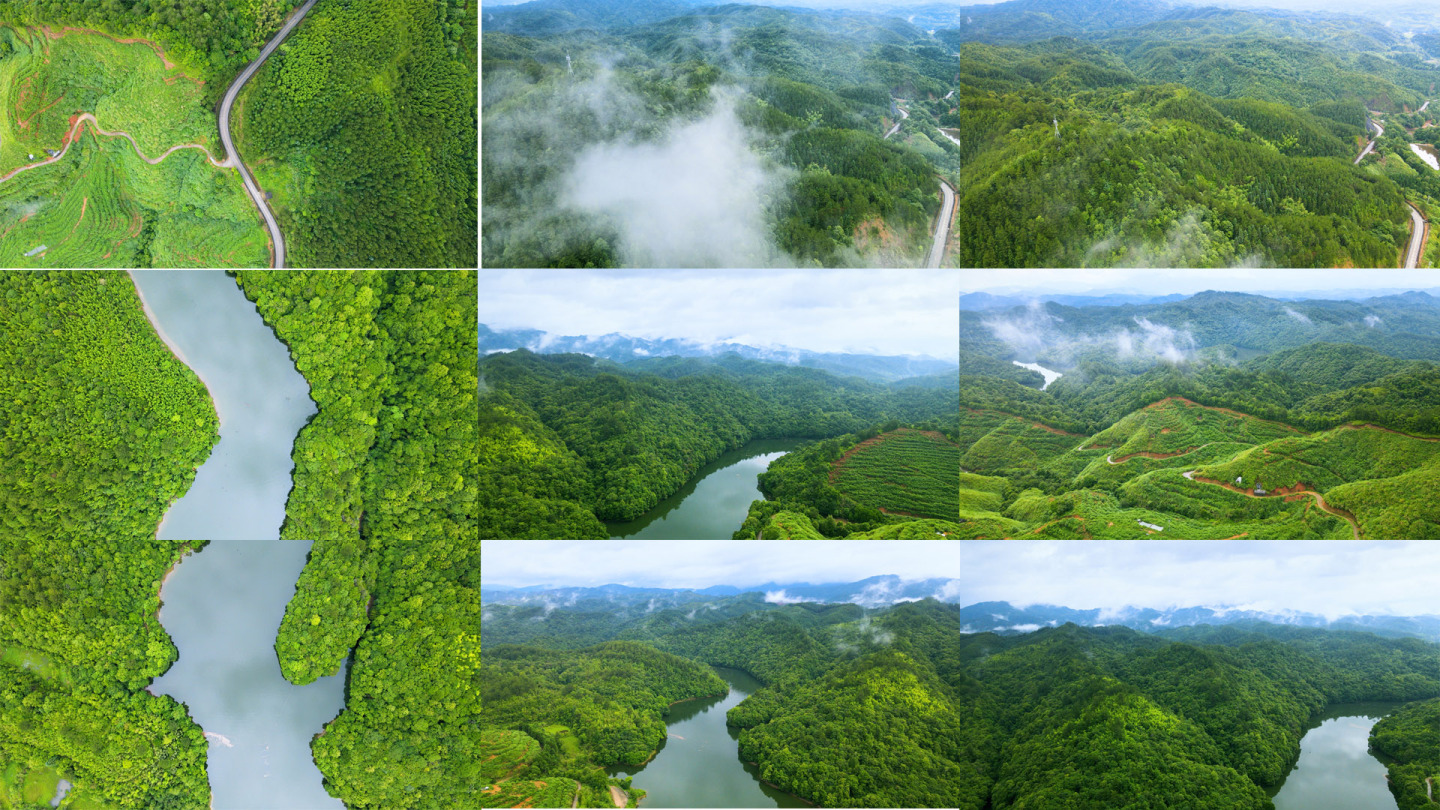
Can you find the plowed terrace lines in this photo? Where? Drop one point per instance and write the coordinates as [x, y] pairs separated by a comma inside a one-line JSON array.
[[74, 133], [1289, 494], [1153, 454], [1032, 422]]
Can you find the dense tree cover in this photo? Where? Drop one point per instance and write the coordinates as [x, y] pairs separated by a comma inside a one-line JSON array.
[[370, 107], [1409, 739], [387, 482], [101, 427], [1207, 717], [569, 438], [813, 92], [1182, 152]]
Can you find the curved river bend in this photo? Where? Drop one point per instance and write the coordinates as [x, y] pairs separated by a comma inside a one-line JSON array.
[[715, 501], [1336, 770], [699, 765], [223, 605]]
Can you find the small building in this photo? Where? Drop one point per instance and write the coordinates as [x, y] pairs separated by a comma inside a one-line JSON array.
[[37, 251], [1258, 490], [1151, 526]]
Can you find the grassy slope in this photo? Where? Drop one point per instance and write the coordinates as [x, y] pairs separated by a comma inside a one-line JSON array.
[[102, 205]]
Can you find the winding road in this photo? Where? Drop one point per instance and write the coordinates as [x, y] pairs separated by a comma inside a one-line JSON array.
[[942, 226], [1379, 131], [896, 128], [233, 155], [75, 133], [1417, 238]]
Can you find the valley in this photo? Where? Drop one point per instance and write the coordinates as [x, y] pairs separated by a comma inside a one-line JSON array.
[[1174, 135], [1162, 431]]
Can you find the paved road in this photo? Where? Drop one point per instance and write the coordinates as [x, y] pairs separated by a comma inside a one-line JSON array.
[[1379, 131], [1423, 106], [903, 116], [942, 227], [1417, 239], [233, 155]]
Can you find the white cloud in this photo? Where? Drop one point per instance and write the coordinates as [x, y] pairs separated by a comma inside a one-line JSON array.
[[863, 311], [779, 598], [1329, 578]]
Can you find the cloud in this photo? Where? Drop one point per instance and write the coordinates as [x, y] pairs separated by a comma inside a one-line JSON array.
[[1329, 578], [779, 598], [1373, 321], [1036, 332], [695, 198], [1299, 316]]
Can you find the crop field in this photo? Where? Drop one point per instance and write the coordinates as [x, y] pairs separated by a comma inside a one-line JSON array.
[[903, 472], [501, 752], [101, 205], [530, 793]]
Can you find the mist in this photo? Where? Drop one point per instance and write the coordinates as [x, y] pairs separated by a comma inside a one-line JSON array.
[[1036, 334], [695, 198]]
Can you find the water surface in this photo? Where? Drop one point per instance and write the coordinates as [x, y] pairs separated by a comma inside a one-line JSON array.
[[239, 492], [715, 501], [1050, 376], [1426, 153], [699, 765], [222, 607], [1336, 770]]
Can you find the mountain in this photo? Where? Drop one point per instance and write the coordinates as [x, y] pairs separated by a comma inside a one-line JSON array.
[[871, 592], [980, 302], [1007, 619], [624, 349], [546, 17]]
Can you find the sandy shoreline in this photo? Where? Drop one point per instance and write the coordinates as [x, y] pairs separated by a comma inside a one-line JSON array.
[[174, 348]]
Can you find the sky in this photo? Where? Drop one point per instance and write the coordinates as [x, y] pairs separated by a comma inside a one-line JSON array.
[[1151, 282], [1332, 578], [864, 311], [703, 563]]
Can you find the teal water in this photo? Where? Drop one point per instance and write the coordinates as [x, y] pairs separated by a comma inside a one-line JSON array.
[[715, 502], [1336, 770]]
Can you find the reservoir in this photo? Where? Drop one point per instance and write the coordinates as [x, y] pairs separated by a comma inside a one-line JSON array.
[[699, 764], [1050, 376], [1427, 154], [1336, 770], [715, 501], [222, 607], [239, 492]]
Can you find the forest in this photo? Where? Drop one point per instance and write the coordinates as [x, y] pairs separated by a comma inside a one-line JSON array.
[[569, 441], [385, 487], [101, 427], [801, 99], [838, 679], [1186, 137], [1214, 416], [1074, 717]]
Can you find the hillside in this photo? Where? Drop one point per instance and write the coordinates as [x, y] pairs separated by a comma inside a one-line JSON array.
[[1221, 415], [1137, 134]]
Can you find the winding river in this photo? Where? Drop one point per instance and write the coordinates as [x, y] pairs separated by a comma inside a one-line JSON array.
[[1336, 770], [1050, 376], [715, 501], [223, 605], [699, 765]]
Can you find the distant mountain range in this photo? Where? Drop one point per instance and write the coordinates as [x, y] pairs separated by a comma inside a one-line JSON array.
[[624, 349], [872, 592], [1007, 619]]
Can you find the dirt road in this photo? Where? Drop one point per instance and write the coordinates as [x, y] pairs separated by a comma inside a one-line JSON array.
[[277, 239], [84, 118]]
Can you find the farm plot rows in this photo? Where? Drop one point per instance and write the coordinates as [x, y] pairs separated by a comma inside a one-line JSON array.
[[906, 472]]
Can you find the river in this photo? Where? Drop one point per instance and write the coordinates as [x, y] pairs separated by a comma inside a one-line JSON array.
[[1336, 770], [1050, 376], [262, 401], [715, 501], [699, 765], [222, 607], [1427, 154]]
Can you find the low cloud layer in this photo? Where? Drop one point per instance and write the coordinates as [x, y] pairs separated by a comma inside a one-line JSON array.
[[695, 198], [1036, 332]]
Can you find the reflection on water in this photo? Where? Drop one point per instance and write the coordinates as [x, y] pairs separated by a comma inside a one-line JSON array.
[[222, 607], [715, 501], [240, 491], [1336, 770], [699, 764]]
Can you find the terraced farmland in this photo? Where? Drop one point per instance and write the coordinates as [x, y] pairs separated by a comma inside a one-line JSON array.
[[101, 204], [905, 471]]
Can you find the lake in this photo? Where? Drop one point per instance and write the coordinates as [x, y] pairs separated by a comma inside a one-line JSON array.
[[699, 764], [222, 607], [715, 501], [1336, 770], [1050, 376], [239, 492]]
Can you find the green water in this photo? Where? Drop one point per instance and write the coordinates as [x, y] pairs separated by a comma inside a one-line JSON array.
[[714, 504], [1336, 770], [699, 765]]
